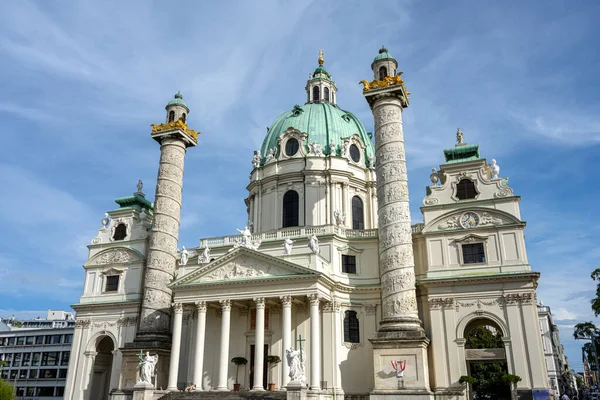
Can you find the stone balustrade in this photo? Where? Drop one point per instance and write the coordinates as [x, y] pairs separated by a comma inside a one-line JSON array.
[[300, 232]]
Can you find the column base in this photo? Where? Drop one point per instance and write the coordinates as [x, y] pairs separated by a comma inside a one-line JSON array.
[[409, 350], [143, 391], [173, 389], [221, 389], [258, 389], [395, 394]]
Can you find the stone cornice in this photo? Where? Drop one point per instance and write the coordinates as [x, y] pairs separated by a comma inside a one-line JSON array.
[[515, 276], [116, 304]]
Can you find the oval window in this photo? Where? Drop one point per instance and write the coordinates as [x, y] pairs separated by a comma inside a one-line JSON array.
[[291, 147], [354, 153]]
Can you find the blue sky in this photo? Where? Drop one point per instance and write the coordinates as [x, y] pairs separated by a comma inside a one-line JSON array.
[[82, 81]]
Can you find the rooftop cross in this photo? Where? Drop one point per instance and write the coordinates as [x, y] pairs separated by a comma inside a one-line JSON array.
[[321, 60]]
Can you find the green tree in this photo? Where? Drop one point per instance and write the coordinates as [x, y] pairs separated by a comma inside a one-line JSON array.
[[585, 330], [596, 300], [6, 390], [488, 376]]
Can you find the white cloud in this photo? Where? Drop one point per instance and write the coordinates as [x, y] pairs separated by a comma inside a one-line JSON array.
[[562, 313]]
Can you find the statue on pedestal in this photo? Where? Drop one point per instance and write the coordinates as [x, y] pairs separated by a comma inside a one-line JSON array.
[[296, 364], [147, 364], [287, 246]]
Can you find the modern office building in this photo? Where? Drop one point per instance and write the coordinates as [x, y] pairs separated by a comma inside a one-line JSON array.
[[36, 354]]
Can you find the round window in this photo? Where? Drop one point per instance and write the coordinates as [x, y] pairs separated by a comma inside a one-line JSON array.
[[291, 147], [354, 153]]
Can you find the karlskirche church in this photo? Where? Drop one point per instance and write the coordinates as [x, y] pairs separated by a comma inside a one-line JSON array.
[[330, 291]]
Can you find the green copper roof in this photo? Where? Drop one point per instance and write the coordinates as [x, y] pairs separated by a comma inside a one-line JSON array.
[[462, 153], [178, 100], [322, 122], [383, 55], [321, 72], [137, 202]]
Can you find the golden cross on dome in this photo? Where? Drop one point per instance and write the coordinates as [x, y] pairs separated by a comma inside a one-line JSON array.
[[321, 60]]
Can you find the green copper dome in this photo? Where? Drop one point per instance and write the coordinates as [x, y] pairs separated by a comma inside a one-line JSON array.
[[178, 100], [321, 72], [323, 122], [384, 55]]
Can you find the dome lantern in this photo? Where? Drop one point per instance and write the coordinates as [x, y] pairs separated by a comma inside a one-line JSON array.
[[384, 64], [177, 109], [320, 88]]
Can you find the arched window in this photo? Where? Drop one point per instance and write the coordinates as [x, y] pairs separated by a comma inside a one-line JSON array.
[[183, 118], [358, 215], [316, 94], [465, 189], [291, 205], [120, 232], [326, 94], [351, 331], [382, 73], [171, 116]]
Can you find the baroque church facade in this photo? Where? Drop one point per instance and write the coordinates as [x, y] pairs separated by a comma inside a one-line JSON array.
[[329, 268]]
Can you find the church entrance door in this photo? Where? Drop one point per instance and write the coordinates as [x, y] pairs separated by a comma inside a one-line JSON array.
[[265, 365]]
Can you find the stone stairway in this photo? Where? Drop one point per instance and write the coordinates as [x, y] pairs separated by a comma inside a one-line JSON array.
[[243, 395]]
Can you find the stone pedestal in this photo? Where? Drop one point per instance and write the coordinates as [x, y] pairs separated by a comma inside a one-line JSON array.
[[296, 391], [143, 391], [414, 383]]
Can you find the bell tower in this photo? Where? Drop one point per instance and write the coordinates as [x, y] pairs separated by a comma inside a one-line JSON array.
[[400, 340]]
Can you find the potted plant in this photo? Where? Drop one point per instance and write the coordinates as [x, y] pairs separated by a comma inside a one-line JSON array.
[[272, 360], [238, 361], [512, 380], [467, 380]]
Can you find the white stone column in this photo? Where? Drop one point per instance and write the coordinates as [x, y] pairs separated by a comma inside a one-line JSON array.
[[162, 243], [90, 358], [286, 335], [175, 347], [199, 346], [224, 353], [259, 344], [396, 260], [315, 343], [115, 370]]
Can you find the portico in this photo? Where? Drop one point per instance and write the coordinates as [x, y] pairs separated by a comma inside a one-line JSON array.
[[240, 305]]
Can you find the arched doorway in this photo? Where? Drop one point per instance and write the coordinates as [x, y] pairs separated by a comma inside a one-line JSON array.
[[486, 360], [100, 384]]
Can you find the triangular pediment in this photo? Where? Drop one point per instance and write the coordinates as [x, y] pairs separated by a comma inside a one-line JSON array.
[[243, 264]]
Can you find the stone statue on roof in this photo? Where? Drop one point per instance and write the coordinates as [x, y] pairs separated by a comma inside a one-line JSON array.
[[460, 136], [140, 186]]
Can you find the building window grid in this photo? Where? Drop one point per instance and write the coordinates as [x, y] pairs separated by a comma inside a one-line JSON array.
[[473, 253], [291, 209], [112, 283], [351, 327], [465, 189], [348, 264]]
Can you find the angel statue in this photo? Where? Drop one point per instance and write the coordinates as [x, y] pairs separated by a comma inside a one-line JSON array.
[[184, 255], [460, 136], [332, 148], [287, 246], [205, 257], [271, 154], [245, 236], [256, 159], [339, 217], [296, 364], [147, 364], [313, 243], [139, 186]]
